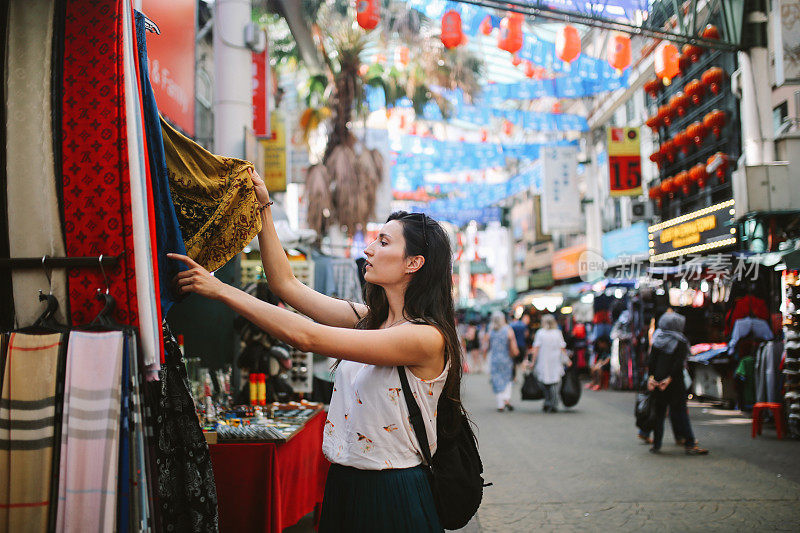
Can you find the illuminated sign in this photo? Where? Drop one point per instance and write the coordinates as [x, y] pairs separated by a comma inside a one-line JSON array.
[[706, 229]]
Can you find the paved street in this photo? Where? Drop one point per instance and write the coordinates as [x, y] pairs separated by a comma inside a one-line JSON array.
[[584, 469]]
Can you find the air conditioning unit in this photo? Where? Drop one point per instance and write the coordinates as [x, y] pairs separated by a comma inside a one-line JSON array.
[[641, 210], [767, 187]]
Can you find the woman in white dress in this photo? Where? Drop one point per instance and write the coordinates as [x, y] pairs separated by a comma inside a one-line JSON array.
[[376, 481], [549, 357]]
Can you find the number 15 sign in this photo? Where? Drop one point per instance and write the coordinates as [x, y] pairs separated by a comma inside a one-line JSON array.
[[624, 162]]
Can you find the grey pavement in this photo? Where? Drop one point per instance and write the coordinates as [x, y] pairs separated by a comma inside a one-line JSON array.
[[583, 469]]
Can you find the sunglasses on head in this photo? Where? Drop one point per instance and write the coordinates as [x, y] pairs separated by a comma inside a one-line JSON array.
[[424, 224]]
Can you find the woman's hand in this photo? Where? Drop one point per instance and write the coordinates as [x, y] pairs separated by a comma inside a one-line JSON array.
[[651, 384], [262, 194], [197, 279], [663, 384]]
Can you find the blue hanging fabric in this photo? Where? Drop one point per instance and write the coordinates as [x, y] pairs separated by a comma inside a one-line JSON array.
[[168, 233]]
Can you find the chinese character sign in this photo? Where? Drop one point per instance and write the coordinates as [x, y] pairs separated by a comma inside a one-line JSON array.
[[560, 202], [274, 150], [624, 162]]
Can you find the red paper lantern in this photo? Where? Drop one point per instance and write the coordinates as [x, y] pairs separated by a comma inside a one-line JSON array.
[[403, 55], [715, 121], [368, 13], [508, 127], [451, 29], [684, 63], [665, 114], [682, 181], [697, 132], [718, 164], [669, 150], [693, 52], [668, 186], [710, 32], [486, 25], [699, 175], [657, 158], [568, 44], [653, 87], [654, 123], [530, 70], [679, 102], [694, 90], [619, 51], [666, 62], [655, 194], [515, 60], [484, 135], [510, 36], [713, 78], [682, 141]]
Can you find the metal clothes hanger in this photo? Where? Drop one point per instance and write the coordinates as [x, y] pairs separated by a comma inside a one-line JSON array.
[[46, 319], [105, 319]]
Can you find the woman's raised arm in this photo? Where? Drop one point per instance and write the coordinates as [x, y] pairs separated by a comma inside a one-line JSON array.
[[282, 282]]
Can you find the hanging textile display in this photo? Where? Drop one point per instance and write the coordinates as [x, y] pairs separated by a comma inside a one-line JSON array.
[[32, 199], [96, 184], [214, 199], [142, 211], [29, 411], [187, 494], [90, 432], [168, 233]]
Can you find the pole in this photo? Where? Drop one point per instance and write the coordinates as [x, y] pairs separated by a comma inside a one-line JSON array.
[[756, 104], [233, 110]]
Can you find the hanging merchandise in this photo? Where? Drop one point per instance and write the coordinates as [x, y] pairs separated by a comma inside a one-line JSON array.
[[568, 44], [214, 200], [452, 35], [368, 13], [33, 198], [619, 51], [666, 62], [30, 430], [510, 37]]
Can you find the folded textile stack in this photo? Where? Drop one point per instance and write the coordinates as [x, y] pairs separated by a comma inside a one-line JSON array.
[[791, 363]]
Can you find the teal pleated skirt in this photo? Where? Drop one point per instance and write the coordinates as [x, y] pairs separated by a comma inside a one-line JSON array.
[[378, 501]]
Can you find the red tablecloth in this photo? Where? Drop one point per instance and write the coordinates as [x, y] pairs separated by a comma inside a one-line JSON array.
[[267, 487]]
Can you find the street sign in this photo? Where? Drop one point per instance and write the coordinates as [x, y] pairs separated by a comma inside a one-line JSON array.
[[624, 162]]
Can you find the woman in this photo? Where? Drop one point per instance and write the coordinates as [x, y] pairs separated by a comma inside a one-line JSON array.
[[472, 345], [668, 352], [376, 481], [502, 350], [549, 358]]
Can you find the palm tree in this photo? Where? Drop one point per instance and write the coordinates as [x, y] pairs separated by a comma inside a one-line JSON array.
[[343, 187]]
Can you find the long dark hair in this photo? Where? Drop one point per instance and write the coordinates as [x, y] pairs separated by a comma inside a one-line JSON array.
[[428, 300]]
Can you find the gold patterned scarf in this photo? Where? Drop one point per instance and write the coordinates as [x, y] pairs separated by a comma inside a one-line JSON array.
[[214, 200]]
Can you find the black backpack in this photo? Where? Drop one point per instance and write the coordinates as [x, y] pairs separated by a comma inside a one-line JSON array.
[[455, 469]]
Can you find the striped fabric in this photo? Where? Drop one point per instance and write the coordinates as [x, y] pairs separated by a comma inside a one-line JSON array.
[[87, 490], [28, 415]]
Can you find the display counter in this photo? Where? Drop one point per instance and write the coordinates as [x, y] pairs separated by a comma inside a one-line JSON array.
[[268, 486]]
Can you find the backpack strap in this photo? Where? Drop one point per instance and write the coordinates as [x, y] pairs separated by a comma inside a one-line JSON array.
[[415, 416]]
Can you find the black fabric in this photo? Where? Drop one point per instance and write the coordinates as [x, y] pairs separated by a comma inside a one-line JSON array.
[[664, 364], [675, 400], [455, 469], [570, 388], [187, 494], [56, 92], [645, 412], [6, 291], [531, 388]]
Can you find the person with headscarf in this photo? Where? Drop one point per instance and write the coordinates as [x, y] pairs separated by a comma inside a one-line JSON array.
[[668, 353]]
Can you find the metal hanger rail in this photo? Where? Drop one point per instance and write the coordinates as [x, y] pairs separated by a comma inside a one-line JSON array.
[[58, 262]]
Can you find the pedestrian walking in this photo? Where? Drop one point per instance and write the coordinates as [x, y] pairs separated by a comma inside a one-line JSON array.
[[502, 351], [472, 344], [668, 353], [520, 327], [376, 481], [549, 358]]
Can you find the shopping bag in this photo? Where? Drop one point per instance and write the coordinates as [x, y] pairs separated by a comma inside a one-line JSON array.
[[531, 388], [645, 411], [570, 388]]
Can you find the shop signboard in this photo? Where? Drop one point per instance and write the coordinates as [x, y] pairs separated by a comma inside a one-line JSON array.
[[273, 149], [626, 242], [566, 260], [541, 279], [624, 162], [261, 80], [701, 231], [560, 200], [171, 61]]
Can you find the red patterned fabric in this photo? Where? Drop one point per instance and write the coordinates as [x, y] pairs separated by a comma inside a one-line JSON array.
[[96, 186], [268, 487]]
